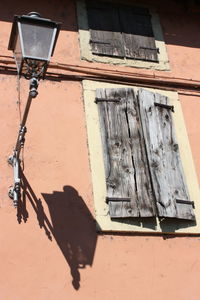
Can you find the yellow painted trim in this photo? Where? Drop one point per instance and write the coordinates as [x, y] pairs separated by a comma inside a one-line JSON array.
[[86, 53], [98, 173]]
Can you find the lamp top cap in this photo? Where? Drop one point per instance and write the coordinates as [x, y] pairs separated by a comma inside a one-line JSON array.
[[34, 14]]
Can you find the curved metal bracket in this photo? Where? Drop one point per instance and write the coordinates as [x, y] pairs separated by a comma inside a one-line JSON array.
[[11, 192]]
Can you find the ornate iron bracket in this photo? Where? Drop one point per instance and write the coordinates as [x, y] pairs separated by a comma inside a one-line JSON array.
[[14, 160]]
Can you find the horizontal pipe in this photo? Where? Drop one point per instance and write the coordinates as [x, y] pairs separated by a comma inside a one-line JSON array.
[[78, 72]]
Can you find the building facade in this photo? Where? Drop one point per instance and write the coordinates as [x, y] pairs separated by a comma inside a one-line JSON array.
[[110, 202]]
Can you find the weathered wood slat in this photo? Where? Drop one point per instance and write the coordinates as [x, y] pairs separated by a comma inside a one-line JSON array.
[[138, 37], [124, 155], [142, 177], [105, 33], [163, 157]]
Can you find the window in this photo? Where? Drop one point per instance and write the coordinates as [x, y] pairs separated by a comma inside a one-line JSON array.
[[119, 33], [138, 178]]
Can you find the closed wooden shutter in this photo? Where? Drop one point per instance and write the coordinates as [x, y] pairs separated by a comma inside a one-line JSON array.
[[169, 186], [138, 37], [129, 192], [144, 174], [105, 32], [121, 31]]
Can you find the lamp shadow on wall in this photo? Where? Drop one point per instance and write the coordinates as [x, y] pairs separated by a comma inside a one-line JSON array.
[[71, 225]]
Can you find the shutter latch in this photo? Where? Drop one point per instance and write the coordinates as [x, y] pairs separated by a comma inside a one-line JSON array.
[[171, 107]]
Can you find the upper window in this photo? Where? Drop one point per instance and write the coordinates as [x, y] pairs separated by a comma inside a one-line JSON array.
[[121, 31], [123, 34]]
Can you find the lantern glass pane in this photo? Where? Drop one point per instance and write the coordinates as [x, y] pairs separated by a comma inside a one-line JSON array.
[[37, 40], [18, 53]]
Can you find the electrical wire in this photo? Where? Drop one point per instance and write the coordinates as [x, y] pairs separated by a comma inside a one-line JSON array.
[[19, 97], [20, 117]]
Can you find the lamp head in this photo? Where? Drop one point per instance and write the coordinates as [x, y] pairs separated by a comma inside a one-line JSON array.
[[33, 41]]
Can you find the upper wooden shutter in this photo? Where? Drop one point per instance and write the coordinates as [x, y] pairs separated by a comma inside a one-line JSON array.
[[169, 186], [138, 37], [129, 191], [121, 31], [105, 32]]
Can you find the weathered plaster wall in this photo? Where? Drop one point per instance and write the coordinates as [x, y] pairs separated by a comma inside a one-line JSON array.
[[50, 250]]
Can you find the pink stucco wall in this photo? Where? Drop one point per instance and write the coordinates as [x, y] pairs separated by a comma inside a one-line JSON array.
[[49, 248]]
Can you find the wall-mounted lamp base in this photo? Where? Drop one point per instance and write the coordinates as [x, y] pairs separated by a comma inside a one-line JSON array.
[[14, 191]]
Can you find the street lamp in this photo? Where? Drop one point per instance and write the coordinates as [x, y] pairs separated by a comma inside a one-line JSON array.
[[32, 41]]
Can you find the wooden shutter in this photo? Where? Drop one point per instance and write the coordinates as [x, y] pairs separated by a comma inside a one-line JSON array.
[[138, 37], [129, 192], [121, 31], [169, 186], [105, 32]]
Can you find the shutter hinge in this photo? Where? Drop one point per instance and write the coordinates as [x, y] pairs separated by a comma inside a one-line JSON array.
[[147, 48], [108, 199], [185, 202], [171, 107], [100, 42], [106, 100]]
